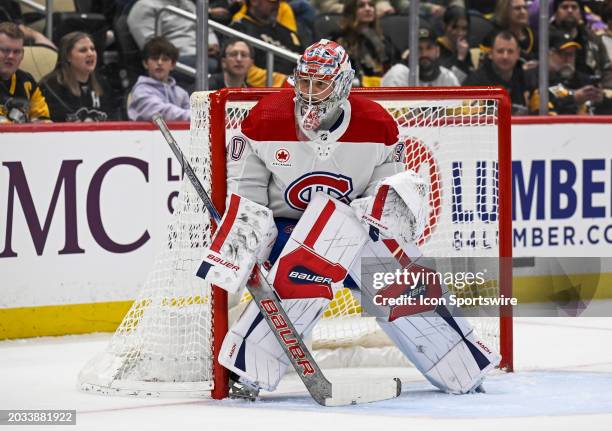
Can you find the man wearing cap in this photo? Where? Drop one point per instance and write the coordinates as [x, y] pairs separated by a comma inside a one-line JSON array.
[[431, 74], [501, 67], [592, 57], [570, 91]]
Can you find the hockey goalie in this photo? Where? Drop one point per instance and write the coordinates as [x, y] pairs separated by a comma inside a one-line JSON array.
[[316, 182]]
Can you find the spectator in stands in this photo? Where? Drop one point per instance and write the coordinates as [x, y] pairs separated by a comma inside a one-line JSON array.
[[429, 10], [284, 14], [501, 67], [260, 21], [158, 92], [591, 58], [606, 16], [297, 15], [21, 100], [592, 20], [512, 15], [219, 10], [305, 14], [431, 74], [178, 30], [328, 6], [454, 46], [570, 90], [236, 59], [371, 53], [74, 91], [238, 69], [257, 77], [385, 7], [485, 7], [10, 10]]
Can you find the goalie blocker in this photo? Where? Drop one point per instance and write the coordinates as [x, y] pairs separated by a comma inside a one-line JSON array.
[[245, 237]]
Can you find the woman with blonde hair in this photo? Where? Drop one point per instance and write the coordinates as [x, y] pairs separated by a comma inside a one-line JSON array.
[[513, 15], [74, 91], [371, 53]]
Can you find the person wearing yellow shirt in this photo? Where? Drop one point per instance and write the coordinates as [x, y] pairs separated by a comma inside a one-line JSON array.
[[260, 21], [285, 15], [21, 100]]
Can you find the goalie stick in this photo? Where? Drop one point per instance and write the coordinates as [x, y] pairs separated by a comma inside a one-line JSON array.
[[269, 304]]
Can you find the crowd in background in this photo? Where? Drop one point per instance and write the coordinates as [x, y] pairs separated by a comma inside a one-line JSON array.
[[111, 65]]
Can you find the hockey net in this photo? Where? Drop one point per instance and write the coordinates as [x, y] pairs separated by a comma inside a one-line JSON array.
[[459, 138]]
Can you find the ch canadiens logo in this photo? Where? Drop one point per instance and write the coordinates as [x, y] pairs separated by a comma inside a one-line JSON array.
[[299, 192]]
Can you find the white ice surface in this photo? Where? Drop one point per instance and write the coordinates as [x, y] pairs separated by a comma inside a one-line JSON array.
[[563, 381]]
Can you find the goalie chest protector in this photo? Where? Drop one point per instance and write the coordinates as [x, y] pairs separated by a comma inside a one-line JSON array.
[[363, 138]]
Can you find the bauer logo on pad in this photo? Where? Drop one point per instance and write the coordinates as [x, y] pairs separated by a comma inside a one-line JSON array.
[[302, 275]]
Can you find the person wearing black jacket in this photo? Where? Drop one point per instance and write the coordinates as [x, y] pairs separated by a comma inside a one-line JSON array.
[[370, 51], [454, 46], [502, 68], [592, 57], [74, 91], [570, 91]]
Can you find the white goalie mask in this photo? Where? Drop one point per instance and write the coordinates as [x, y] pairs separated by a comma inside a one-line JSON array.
[[323, 78]]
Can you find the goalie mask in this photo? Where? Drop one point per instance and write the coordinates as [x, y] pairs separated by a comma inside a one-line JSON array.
[[323, 78]]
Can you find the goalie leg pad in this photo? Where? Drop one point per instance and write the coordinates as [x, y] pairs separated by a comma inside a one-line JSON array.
[[252, 351], [311, 267], [453, 361], [440, 342], [245, 236]]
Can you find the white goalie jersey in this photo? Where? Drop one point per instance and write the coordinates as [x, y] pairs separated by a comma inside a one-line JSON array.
[[270, 165]]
